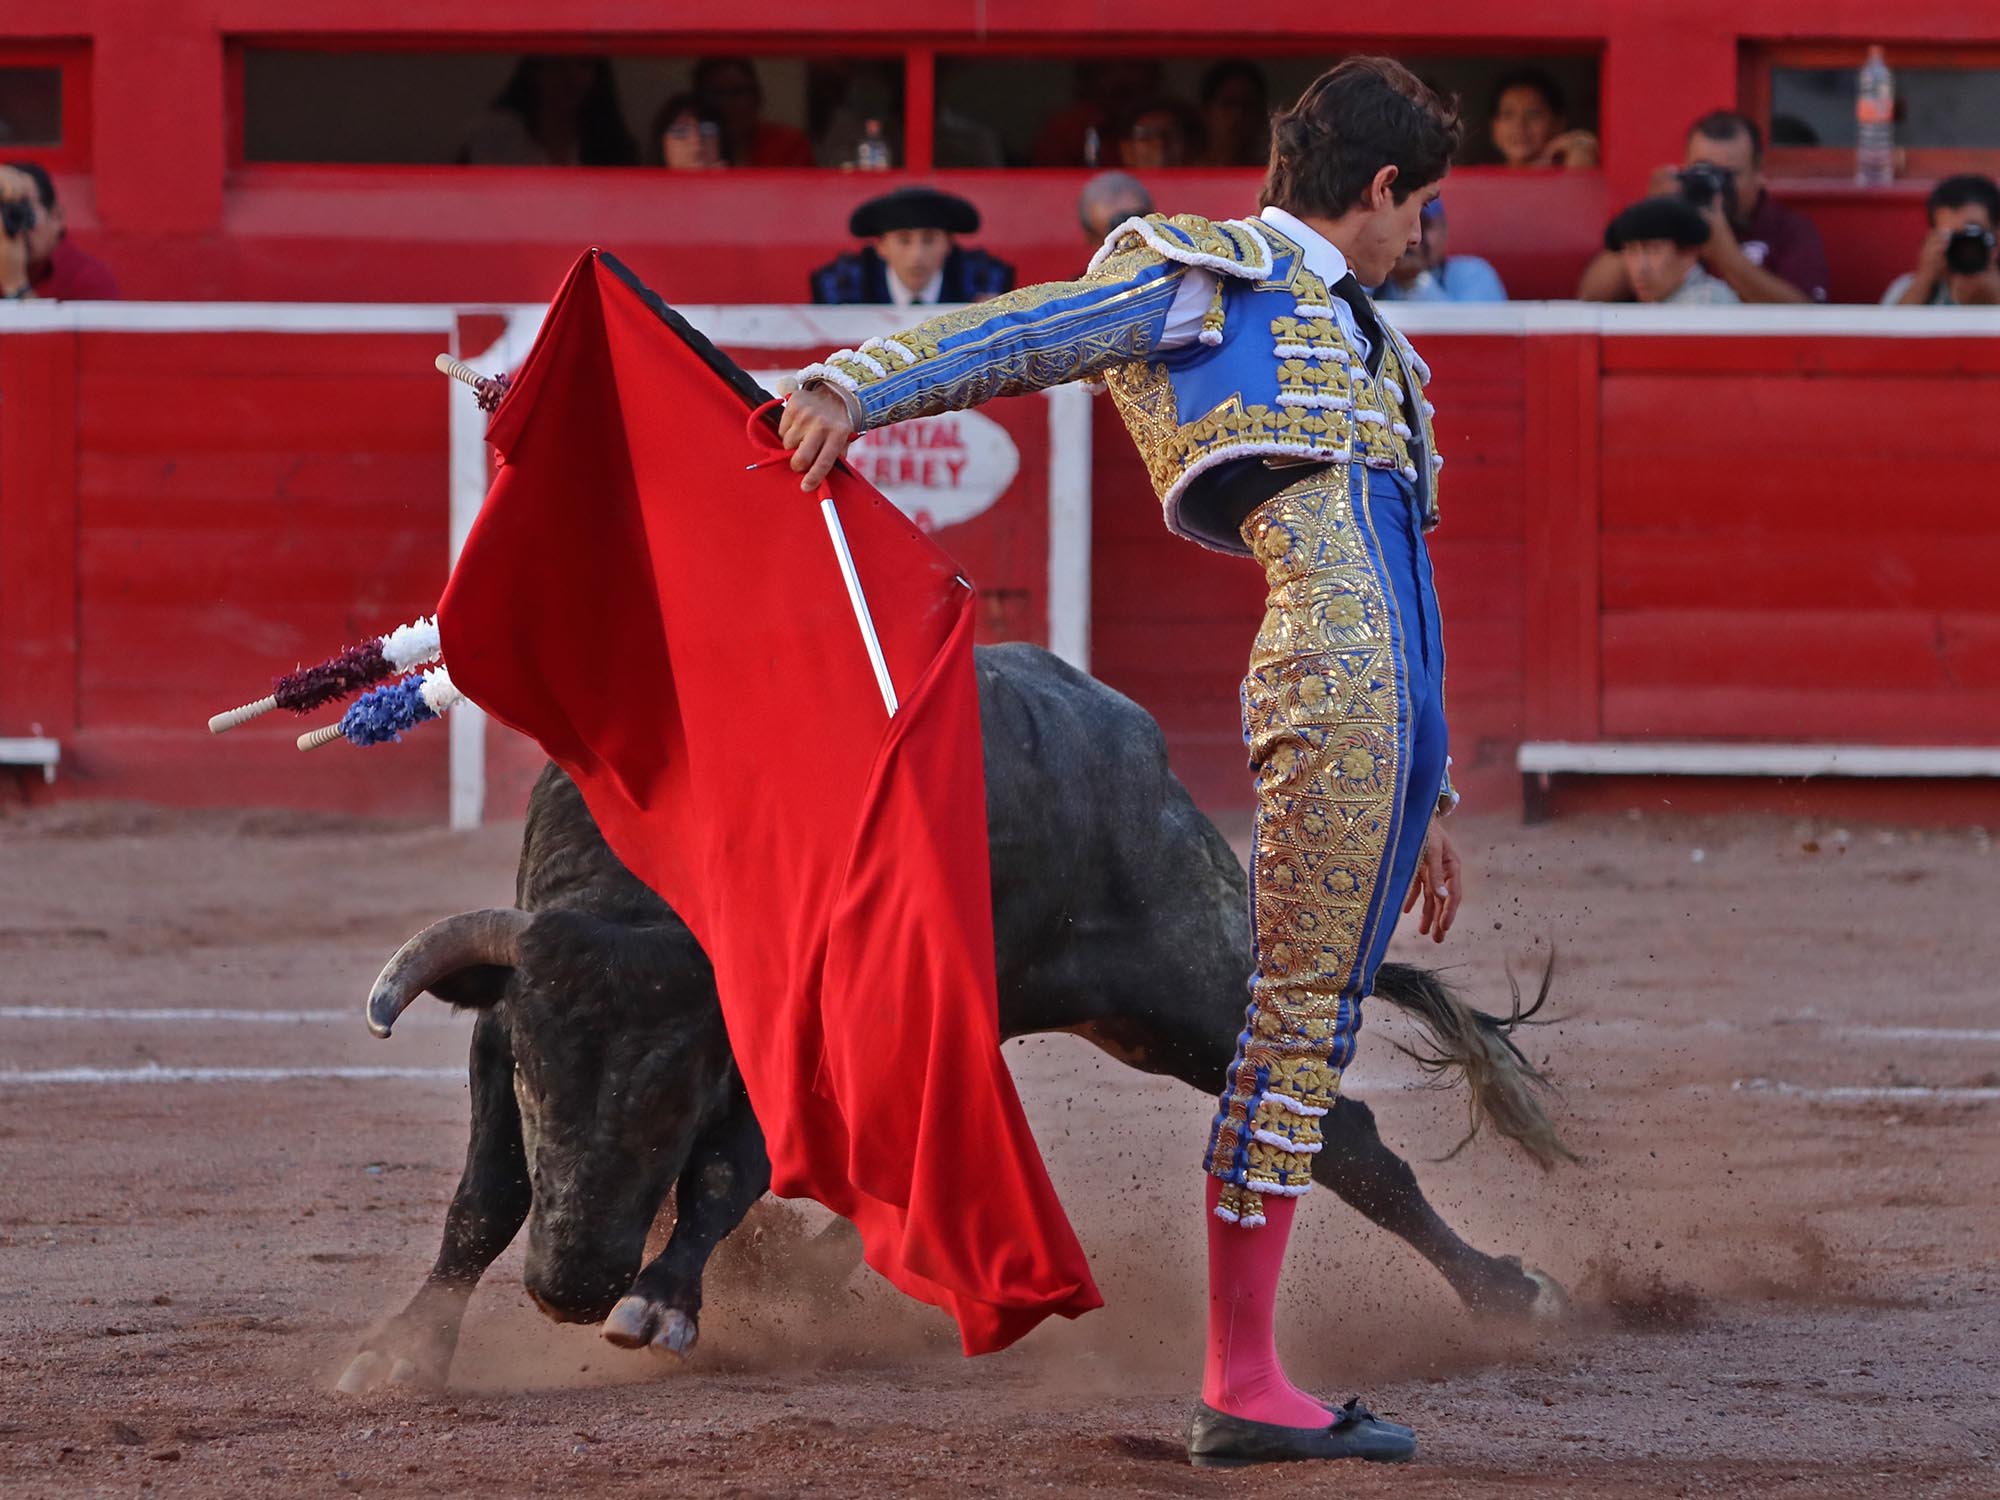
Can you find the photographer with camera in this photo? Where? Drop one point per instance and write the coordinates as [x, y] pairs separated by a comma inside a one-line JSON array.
[[36, 256], [1763, 250], [1956, 267]]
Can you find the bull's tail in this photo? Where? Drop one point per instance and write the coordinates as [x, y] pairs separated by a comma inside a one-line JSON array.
[[1506, 1090]]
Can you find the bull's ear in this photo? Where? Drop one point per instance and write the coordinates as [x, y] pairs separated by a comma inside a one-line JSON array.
[[476, 986]]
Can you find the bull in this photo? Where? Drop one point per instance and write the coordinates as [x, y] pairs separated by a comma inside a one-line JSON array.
[[602, 1077]]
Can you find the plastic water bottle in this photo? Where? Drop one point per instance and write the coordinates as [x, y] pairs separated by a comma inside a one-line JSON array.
[[1875, 122], [872, 155]]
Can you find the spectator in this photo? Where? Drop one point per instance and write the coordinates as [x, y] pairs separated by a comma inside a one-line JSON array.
[[1765, 251], [1955, 267], [731, 86], [1235, 115], [689, 135], [1659, 241], [1108, 200], [556, 111], [1427, 272], [1165, 133], [1109, 91], [1529, 126], [913, 256], [39, 260]]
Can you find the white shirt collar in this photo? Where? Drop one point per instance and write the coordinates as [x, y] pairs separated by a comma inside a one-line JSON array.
[[902, 296], [1323, 257]]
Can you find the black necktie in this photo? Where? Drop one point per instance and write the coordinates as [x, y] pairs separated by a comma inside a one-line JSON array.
[[1348, 290]]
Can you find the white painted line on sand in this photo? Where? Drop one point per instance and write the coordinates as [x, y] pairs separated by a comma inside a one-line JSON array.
[[154, 1073], [172, 1015], [1894, 1093], [1923, 1033]]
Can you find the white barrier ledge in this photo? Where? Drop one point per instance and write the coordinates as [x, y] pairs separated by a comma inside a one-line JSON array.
[[32, 752], [1673, 758], [794, 325]]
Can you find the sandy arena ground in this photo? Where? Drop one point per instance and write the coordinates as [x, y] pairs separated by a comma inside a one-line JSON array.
[[1782, 1061]]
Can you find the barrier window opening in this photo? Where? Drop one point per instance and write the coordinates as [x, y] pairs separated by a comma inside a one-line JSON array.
[[31, 106], [569, 109], [1149, 112]]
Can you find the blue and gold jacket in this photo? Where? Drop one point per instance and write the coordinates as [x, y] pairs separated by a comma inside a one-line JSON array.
[[1271, 378]]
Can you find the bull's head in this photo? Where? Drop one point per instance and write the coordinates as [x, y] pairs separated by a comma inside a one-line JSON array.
[[618, 1052]]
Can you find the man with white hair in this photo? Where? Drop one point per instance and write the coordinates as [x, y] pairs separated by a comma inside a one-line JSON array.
[[1108, 200]]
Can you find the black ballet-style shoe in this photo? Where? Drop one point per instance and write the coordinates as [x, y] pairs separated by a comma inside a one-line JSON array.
[[1216, 1440]]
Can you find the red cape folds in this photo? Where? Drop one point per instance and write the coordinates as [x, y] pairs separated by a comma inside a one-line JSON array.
[[674, 632]]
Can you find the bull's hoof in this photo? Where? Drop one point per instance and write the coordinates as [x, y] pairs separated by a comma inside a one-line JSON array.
[[1520, 1294], [1551, 1304], [637, 1322], [373, 1370]]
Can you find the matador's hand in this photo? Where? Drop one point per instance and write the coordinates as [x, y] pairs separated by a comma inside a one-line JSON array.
[[817, 428], [1440, 881]]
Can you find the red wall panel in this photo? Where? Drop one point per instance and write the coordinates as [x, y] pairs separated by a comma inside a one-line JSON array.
[[1798, 540], [38, 636], [245, 502]]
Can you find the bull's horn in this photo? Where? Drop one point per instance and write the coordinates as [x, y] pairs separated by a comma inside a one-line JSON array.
[[492, 936]]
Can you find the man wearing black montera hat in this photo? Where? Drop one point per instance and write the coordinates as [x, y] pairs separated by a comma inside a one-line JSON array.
[[1283, 421], [913, 257]]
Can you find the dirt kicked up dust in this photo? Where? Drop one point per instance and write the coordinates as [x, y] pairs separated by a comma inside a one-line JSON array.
[[1781, 1056]]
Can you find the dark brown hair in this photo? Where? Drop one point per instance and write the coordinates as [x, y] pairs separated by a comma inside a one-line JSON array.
[[1353, 120], [1728, 125]]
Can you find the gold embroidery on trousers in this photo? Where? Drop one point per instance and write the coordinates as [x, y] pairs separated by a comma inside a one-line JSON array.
[[1323, 717]]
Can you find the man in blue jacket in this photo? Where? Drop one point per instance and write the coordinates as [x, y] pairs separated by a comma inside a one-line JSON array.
[[913, 258]]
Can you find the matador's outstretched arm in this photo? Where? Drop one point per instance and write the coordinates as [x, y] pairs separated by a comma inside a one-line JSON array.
[[1024, 341]]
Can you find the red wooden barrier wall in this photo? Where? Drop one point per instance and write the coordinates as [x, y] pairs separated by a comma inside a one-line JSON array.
[[1688, 536]]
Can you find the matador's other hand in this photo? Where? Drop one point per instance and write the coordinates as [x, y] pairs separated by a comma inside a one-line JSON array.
[[817, 428], [1440, 881]]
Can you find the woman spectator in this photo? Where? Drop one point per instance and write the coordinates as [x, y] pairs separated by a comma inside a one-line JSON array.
[[689, 135], [1530, 124], [556, 111]]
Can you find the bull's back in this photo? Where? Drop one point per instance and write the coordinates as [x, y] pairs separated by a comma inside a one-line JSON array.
[[1108, 882]]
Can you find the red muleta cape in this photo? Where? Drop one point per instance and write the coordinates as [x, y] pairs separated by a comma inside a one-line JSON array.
[[674, 632]]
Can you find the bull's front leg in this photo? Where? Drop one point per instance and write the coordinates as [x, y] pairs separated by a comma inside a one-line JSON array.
[[1358, 1166], [415, 1347], [727, 1171]]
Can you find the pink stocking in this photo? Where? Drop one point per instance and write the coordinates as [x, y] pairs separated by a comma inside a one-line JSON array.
[[1242, 1375]]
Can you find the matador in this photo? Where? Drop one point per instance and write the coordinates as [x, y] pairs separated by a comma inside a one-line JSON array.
[[1280, 419]]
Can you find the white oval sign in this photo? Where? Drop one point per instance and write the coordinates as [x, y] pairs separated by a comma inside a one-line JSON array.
[[939, 471]]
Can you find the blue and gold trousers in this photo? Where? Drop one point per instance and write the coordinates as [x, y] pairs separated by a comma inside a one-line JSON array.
[[1343, 713]]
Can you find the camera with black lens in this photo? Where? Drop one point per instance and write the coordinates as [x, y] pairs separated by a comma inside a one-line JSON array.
[[1969, 250], [1705, 183], [17, 217]]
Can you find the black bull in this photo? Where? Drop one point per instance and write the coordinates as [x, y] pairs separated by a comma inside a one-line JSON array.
[[602, 1077]]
